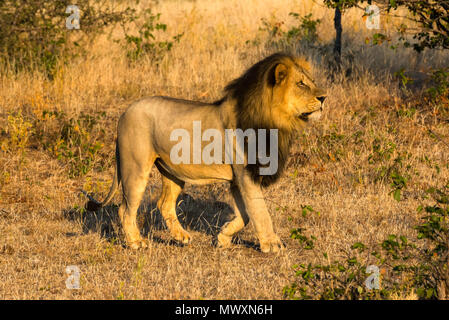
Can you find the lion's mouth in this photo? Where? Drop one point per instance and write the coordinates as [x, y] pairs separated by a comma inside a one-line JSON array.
[[313, 115], [305, 116]]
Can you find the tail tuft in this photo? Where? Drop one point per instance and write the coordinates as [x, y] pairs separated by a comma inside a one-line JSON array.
[[93, 205]]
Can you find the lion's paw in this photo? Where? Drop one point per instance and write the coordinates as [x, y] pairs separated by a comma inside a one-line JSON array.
[[224, 241], [181, 235], [138, 244], [272, 245]]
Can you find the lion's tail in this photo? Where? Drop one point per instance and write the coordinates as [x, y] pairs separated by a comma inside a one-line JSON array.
[[94, 205]]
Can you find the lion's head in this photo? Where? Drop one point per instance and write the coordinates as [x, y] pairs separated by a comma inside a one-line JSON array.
[[276, 93]]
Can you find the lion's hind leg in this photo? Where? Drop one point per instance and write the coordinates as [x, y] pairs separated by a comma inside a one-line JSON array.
[[135, 175], [167, 206], [133, 189]]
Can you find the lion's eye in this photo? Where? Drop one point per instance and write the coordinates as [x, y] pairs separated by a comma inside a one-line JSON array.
[[301, 84]]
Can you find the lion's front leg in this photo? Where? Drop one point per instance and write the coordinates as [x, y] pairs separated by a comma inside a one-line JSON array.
[[224, 238], [257, 211]]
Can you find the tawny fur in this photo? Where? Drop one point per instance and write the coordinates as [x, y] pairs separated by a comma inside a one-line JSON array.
[[276, 93]]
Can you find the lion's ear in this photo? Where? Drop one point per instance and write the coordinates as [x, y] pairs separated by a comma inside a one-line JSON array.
[[280, 73]]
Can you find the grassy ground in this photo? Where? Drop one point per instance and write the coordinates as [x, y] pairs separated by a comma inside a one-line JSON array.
[[340, 166]]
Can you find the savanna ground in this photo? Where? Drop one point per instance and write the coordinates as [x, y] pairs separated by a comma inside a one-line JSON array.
[[346, 167]]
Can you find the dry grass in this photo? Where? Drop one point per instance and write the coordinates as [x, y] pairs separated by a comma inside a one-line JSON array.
[[42, 232]]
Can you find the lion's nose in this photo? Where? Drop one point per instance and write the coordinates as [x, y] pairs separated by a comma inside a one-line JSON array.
[[321, 99]]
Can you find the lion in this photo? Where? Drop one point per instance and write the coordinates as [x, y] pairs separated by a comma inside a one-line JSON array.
[[278, 93]]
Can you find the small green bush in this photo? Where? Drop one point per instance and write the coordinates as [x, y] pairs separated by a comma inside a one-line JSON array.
[[146, 42], [33, 33], [16, 135], [303, 32], [75, 141], [440, 88], [405, 267]]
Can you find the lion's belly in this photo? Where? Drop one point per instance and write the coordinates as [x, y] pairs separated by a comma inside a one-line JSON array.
[[198, 173]]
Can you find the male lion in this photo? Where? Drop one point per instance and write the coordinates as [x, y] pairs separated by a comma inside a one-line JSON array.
[[275, 93]]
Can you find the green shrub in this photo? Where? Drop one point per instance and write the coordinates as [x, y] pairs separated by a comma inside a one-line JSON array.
[[33, 33], [405, 267], [440, 88], [146, 42], [16, 135], [76, 141], [303, 31]]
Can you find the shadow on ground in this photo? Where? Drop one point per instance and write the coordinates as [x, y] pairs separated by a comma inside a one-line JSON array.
[[206, 216]]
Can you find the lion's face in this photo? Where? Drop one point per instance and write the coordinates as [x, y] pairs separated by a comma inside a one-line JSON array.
[[296, 93], [279, 93]]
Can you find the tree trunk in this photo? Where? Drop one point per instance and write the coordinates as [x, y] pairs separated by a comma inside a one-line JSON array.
[[337, 45]]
